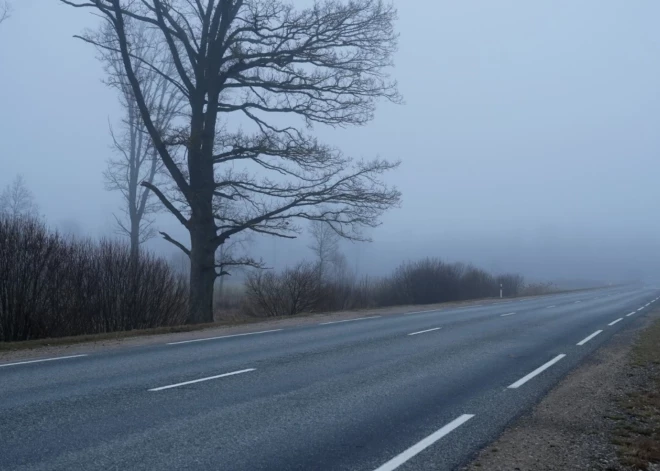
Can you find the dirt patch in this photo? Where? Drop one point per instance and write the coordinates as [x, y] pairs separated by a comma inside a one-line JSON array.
[[603, 416]]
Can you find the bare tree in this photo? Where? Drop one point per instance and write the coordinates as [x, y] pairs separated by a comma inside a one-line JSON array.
[[136, 158], [264, 65], [17, 200], [5, 11], [325, 245]]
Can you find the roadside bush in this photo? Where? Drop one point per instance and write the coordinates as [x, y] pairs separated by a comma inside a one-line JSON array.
[[431, 280], [427, 281], [51, 286], [292, 292]]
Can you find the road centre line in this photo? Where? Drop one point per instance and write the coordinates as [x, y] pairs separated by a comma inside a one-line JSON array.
[[628, 315], [349, 320], [424, 331], [224, 337], [614, 322], [537, 371], [508, 314], [640, 308], [42, 360], [170, 386], [420, 446], [586, 339]]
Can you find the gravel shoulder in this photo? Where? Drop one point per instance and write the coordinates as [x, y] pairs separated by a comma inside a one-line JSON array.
[[603, 416]]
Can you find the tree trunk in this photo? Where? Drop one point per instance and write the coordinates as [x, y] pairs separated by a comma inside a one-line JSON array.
[[202, 277]]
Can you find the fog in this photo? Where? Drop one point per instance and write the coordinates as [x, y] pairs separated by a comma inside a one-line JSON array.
[[528, 138]]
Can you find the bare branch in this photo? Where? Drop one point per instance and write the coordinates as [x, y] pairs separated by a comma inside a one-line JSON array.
[[5, 11], [166, 203], [17, 199], [183, 248], [243, 262]]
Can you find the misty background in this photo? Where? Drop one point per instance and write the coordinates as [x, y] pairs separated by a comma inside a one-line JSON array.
[[528, 139]]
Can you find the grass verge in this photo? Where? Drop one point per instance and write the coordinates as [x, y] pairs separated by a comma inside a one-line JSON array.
[[637, 435]]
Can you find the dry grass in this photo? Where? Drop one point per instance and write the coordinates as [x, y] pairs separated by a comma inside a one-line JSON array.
[[637, 436]]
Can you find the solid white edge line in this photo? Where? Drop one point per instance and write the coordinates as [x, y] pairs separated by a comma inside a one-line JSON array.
[[42, 360], [349, 320], [224, 337], [424, 444], [586, 339], [508, 314], [424, 331], [537, 371], [170, 386]]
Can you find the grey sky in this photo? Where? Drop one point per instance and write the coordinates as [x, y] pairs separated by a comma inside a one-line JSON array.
[[529, 135]]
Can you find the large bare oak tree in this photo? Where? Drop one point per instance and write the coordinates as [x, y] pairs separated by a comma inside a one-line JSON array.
[[256, 75]]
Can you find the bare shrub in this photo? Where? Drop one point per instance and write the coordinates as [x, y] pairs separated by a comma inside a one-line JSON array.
[[292, 292], [423, 282], [426, 281], [52, 286], [431, 280]]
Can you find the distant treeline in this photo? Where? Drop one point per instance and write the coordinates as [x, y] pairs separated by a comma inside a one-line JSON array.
[[431, 280]]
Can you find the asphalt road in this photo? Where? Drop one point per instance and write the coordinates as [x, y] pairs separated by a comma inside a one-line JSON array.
[[417, 391]]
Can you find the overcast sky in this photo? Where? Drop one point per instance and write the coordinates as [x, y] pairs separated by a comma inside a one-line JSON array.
[[529, 134]]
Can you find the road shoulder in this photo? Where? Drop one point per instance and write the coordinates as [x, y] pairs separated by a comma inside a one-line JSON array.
[[605, 415]]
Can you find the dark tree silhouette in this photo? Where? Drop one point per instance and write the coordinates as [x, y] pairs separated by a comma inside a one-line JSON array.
[[256, 75]]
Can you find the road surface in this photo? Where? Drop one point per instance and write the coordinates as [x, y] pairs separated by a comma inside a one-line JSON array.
[[416, 391]]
